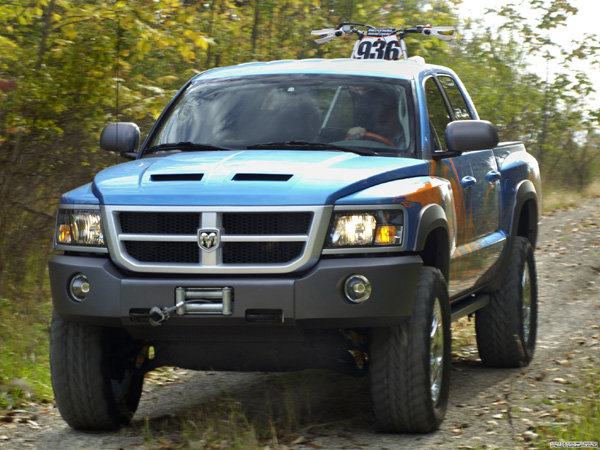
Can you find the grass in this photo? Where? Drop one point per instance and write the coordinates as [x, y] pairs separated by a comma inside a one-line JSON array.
[[24, 360], [563, 197], [275, 412], [24, 336], [578, 418], [464, 344], [222, 424]]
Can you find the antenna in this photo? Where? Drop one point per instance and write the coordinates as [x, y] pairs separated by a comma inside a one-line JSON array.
[[118, 78]]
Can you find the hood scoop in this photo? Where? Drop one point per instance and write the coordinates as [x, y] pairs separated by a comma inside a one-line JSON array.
[[176, 177], [261, 177]]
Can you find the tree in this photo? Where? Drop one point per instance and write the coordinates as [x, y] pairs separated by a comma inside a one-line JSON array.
[[61, 62], [551, 114]]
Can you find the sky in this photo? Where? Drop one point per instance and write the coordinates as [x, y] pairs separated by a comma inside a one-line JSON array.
[[585, 22]]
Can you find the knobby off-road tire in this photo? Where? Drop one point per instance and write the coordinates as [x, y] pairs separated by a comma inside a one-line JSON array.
[[410, 363], [96, 386], [506, 329]]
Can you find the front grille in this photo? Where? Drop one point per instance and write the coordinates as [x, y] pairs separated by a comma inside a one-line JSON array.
[[233, 223], [266, 223], [164, 252], [248, 241], [261, 252], [233, 252], [159, 223]]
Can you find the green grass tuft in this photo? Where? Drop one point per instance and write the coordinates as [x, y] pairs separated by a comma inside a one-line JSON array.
[[578, 416], [24, 350], [560, 197]]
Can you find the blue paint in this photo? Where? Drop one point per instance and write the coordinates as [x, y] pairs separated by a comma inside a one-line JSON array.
[[318, 178]]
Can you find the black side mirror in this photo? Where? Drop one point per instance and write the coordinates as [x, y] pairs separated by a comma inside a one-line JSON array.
[[469, 135], [122, 137]]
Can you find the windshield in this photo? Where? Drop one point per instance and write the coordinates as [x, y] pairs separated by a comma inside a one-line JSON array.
[[344, 112]]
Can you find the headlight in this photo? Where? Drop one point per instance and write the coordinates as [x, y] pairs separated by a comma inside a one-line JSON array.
[[368, 228], [79, 227]]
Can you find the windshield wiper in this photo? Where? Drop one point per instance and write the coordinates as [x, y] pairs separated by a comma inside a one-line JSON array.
[[305, 145], [184, 147]]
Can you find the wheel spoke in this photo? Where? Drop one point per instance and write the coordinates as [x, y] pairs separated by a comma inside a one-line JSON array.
[[436, 352], [526, 308]]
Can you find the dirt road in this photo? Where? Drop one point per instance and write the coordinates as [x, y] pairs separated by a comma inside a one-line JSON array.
[[488, 408]]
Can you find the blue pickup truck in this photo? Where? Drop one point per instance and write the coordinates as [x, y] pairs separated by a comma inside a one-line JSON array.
[[285, 215]]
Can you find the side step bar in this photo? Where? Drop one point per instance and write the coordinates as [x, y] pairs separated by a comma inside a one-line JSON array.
[[468, 306]]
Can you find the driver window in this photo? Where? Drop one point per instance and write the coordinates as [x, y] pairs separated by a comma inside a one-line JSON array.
[[457, 101]]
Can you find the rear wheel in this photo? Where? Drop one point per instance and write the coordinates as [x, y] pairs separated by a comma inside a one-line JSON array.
[[94, 377], [410, 362], [507, 328]]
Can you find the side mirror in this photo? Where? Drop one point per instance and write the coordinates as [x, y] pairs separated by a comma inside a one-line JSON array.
[[122, 137], [468, 135]]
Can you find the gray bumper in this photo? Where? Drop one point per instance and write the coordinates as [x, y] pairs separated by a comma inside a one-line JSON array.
[[314, 299]]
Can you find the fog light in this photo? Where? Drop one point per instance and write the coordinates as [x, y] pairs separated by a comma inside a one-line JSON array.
[[79, 287], [357, 288]]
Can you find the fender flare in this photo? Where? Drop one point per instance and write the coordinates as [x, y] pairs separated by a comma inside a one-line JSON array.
[[432, 217], [434, 220], [525, 192]]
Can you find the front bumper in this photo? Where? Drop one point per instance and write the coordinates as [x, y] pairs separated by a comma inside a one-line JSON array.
[[314, 299]]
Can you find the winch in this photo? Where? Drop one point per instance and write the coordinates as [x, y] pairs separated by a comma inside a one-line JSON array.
[[195, 301]]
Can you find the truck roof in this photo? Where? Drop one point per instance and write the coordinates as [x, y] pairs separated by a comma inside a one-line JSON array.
[[407, 70]]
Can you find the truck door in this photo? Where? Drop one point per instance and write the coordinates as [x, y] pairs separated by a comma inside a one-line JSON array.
[[475, 182]]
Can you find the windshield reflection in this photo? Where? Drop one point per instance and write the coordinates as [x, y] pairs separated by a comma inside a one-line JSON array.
[[345, 111]]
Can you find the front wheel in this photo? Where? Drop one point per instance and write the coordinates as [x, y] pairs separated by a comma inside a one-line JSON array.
[[410, 362], [506, 329], [95, 381]]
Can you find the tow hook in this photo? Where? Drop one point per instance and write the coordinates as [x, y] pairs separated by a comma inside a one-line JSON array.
[[158, 315]]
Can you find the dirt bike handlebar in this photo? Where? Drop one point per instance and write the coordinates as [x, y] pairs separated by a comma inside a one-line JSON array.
[[361, 30]]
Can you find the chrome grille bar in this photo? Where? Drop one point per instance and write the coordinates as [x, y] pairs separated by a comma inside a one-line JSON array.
[[250, 248]]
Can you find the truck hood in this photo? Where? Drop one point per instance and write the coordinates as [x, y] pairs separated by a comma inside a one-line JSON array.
[[249, 177]]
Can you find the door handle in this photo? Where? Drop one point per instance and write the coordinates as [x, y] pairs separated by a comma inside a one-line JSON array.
[[492, 176], [468, 182]]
